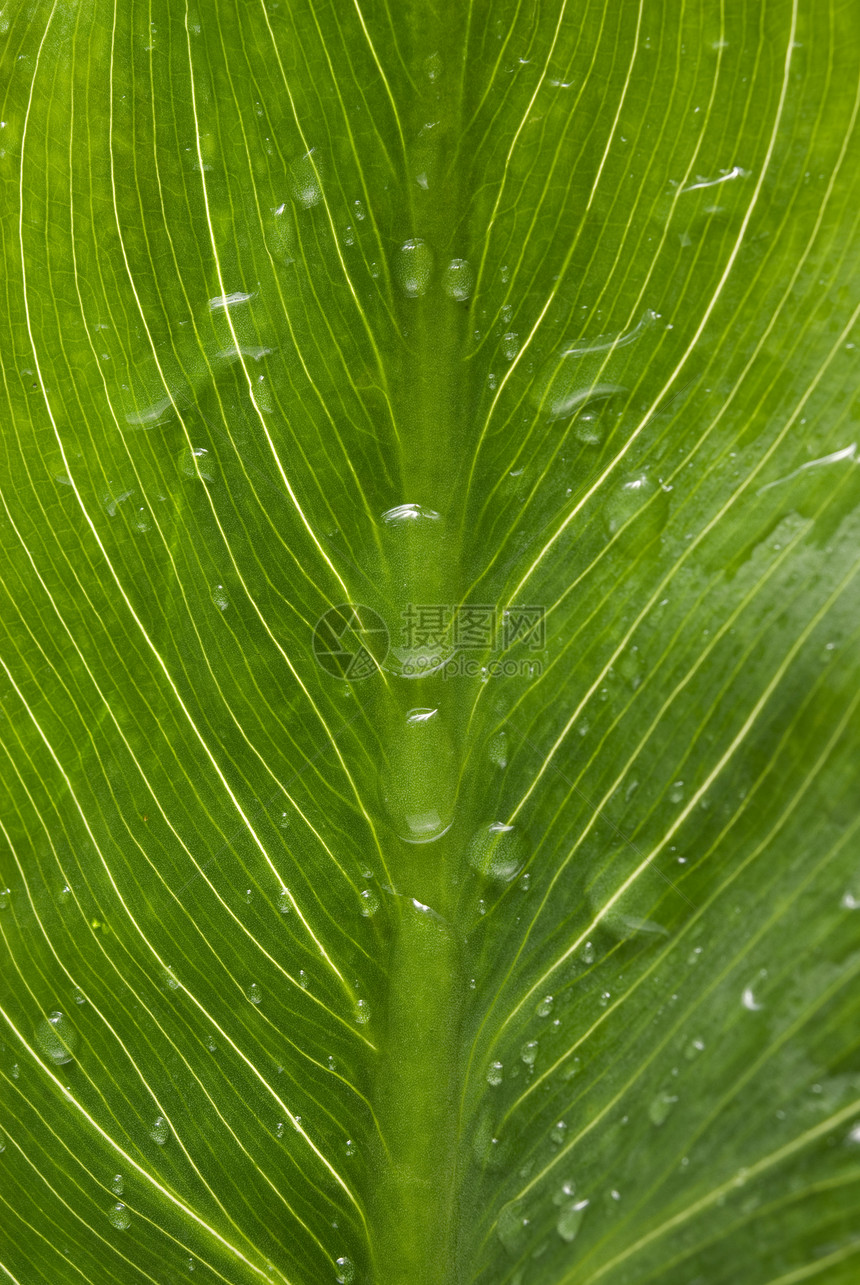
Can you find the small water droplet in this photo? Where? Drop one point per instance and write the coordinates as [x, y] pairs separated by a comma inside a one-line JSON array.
[[5, 894], [458, 280], [433, 67], [219, 597], [676, 793], [570, 1219], [345, 1271], [661, 1106], [529, 1052], [284, 903], [494, 1074], [693, 1049], [79, 998], [557, 1133], [57, 1038], [588, 952], [255, 995], [118, 1216], [414, 268], [305, 180], [369, 903], [511, 1226], [544, 1008], [351, 1148], [362, 1012], [280, 1129], [359, 210], [749, 1000], [117, 1184], [160, 1130], [195, 461], [510, 345], [565, 1193]]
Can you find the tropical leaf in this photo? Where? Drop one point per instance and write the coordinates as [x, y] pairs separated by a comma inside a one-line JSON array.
[[429, 643]]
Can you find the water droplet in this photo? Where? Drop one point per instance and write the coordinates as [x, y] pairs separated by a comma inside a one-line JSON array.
[[414, 267], [79, 998], [255, 995], [118, 1216], [359, 211], [222, 302], [498, 852], [280, 1129], [362, 1012], [160, 1130], [409, 513], [284, 903], [433, 67], [305, 180], [57, 1038], [499, 749], [458, 280], [351, 1148], [117, 1185], [195, 461], [660, 1107], [676, 793], [544, 1008], [345, 1271], [693, 1049], [419, 782], [219, 597], [565, 1193], [529, 1052], [588, 953], [511, 1226], [494, 1074], [369, 903], [630, 498], [570, 1219], [510, 345], [5, 894], [171, 980], [557, 1133], [749, 1001]]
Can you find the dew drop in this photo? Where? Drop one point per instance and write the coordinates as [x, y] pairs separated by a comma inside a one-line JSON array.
[[345, 1271], [565, 1193], [529, 1052], [661, 1106], [5, 894], [588, 952], [351, 1148], [369, 903], [280, 1129], [305, 180], [511, 1226], [499, 749], [497, 852], [195, 461], [676, 793], [255, 995], [362, 1012], [494, 1074], [284, 903], [118, 1216], [414, 268], [570, 1219], [458, 280], [117, 1185], [57, 1038], [160, 1130], [219, 597], [557, 1133], [544, 1008], [510, 345]]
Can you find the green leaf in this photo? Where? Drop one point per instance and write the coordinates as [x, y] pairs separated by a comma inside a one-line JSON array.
[[428, 643]]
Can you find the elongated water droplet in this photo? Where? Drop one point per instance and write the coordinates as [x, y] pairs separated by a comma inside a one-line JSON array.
[[458, 280], [255, 995], [5, 894], [195, 461], [369, 903], [57, 1038], [345, 1273], [544, 1008], [117, 1185], [160, 1130], [118, 1216], [661, 1106], [511, 1226], [414, 268], [305, 180], [494, 1074]]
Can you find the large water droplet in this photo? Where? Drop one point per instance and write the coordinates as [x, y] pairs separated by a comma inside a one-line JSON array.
[[458, 280], [498, 852], [255, 995], [117, 1184], [369, 903], [585, 371], [494, 1074], [419, 783], [632, 496], [195, 461], [414, 268], [57, 1038]]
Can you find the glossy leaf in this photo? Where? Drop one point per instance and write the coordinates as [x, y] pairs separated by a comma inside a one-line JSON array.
[[429, 643]]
